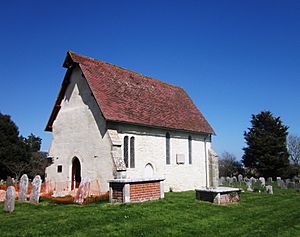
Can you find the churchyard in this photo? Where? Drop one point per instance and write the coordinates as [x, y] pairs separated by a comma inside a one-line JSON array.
[[179, 214]]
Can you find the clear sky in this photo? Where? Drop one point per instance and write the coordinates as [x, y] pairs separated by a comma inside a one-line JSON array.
[[234, 58]]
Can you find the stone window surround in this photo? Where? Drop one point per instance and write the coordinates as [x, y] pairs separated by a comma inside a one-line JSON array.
[[130, 151], [190, 149]]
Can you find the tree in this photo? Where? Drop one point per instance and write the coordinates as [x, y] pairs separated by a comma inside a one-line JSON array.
[[13, 154], [33, 143], [294, 149], [228, 165], [266, 150], [19, 155]]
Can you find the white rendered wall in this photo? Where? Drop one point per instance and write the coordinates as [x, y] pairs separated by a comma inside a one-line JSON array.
[[150, 147], [79, 130]]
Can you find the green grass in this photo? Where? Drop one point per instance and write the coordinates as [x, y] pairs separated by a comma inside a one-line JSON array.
[[179, 214]]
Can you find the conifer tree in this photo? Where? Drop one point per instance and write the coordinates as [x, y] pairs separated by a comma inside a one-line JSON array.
[[266, 150]]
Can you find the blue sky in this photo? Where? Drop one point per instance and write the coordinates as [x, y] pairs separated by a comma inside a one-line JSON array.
[[234, 58]]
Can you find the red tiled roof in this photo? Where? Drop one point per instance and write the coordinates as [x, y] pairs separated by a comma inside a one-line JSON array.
[[127, 96]]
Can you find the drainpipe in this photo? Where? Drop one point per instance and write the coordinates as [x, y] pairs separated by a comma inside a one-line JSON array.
[[205, 155]]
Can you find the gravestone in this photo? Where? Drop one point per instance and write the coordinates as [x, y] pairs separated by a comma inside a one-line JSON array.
[[221, 181], [10, 196], [228, 179], [234, 180], [253, 180], [249, 186], [23, 188], [270, 180], [291, 185], [263, 181], [83, 190], [240, 178], [36, 189], [281, 184], [269, 189]]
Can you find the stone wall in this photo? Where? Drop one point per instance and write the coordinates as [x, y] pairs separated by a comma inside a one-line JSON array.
[[80, 131], [150, 148]]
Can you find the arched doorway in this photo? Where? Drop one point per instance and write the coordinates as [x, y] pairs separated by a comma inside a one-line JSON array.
[[76, 173]]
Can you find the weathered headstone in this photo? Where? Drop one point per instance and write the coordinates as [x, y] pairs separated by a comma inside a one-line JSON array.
[[240, 178], [281, 184], [228, 179], [23, 188], [234, 180], [83, 190], [249, 186], [36, 189], [270, 180], [252, 179], [221, 181], [269, 189], [9, 204], [263, 181]]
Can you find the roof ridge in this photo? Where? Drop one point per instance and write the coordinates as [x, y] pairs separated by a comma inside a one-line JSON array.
[[98, 61]]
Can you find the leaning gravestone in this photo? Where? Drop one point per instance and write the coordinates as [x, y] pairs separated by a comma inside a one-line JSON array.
[[23, 188], [10, 196], [269, 189], [36, 189], [83, 191]]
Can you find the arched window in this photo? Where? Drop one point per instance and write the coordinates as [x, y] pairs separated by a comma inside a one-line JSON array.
[[132, 152], [190, 150], [125, 150], [168, 161]]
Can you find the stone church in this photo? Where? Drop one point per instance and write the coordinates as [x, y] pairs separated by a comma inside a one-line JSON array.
[[110, 123]]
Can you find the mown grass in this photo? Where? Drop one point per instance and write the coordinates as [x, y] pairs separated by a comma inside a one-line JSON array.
[[179, 214]]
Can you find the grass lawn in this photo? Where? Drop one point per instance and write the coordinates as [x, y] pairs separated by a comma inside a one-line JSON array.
[[179, 214]]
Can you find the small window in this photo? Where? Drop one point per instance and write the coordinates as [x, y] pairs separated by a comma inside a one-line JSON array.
[[125, 150], [190, 150], [132, 152], [59, 168], [168, 161]]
